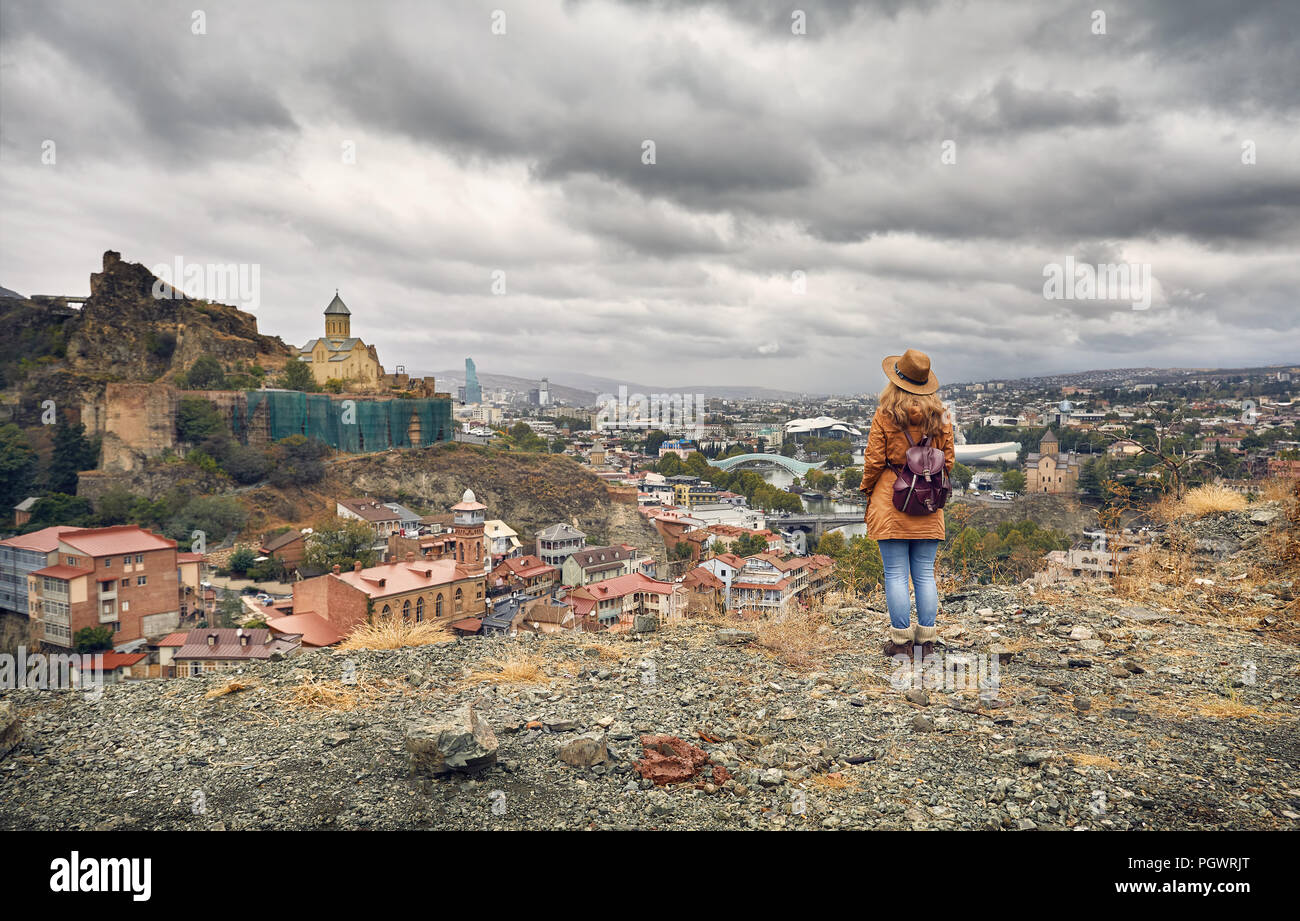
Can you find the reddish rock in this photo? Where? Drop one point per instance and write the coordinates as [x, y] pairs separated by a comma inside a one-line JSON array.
[[668, 759], [720, 775]]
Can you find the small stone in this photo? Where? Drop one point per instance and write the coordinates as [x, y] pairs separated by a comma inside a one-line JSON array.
[[918, 697], [1082, 703], [922, 723], [729, 636]]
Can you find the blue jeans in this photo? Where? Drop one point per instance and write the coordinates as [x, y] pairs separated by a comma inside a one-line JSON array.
[[916, 557]]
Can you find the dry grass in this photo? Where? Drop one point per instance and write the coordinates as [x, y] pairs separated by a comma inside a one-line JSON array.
[[395, 633], [1209, 499], [232, 686], [519, 669], [800, 637], [837, 781], [331, 696], [1082, 759]]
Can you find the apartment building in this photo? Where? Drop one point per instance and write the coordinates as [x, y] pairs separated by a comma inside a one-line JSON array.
[[382, 518], [20, 557], [614, 603], [595, 564], [556, 543], [124, 577], [526, 574]]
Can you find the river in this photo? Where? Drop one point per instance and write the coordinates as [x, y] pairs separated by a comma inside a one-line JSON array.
[[782, 478]]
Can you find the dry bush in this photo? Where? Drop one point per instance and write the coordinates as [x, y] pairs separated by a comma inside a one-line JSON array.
[[332, 696], [800, 637], [395, 633], [837, 781], [1209, 499], [517, 669]]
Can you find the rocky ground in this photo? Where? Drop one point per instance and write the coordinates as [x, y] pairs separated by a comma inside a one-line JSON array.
[[1172, 704]]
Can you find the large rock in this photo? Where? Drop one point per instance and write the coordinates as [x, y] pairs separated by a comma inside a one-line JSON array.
[[459, 741], [10, 727], [585, 750]]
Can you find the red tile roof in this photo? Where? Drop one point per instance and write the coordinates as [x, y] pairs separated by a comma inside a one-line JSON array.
[[172, 639], [126, 538], [64, 572], [111, 661], [261, 644], [46, 540], [400, 577], [314, 629]]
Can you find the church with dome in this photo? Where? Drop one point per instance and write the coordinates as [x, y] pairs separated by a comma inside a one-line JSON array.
[[339, 355]]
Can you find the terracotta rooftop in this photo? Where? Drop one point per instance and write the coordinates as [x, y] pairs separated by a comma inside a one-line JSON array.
[[314, 629], [64, 572], [400, 577], [127, 538], [46, 540], [261, 644]]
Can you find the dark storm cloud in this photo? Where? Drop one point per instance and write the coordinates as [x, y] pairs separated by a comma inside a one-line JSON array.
[[520, 155]]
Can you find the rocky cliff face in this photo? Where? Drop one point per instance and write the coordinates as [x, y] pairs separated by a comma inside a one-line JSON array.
[[122, 332]]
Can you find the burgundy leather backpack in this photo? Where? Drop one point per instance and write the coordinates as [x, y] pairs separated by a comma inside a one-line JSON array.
[[921, 484]]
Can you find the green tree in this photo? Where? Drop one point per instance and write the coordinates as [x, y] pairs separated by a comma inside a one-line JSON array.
[[93, 639], [653, 439], [748, 545], [216, 516], [72, 453], [242, 560], [197, 419], [60, 508], [17, 467], [1013, 481], [297, 376], [340, 542], [297, 461], [961, 475], [205, 374]]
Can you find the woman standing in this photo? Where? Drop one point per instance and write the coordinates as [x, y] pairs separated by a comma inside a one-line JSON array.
[[909, 411]]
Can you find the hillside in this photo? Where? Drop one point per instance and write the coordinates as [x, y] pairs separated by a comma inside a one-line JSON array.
[[529, 491], [1170, 705]]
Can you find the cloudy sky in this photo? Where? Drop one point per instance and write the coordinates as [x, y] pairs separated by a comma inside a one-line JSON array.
[[920, 163]]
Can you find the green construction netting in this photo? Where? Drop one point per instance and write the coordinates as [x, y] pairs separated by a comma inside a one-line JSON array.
[[354, 425]]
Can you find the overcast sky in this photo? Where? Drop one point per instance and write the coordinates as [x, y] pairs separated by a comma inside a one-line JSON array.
[[824, 153]]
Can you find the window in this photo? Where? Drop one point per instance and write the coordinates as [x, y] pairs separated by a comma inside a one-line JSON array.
[[419, 610], [141, 580], [460, 600], [139, 557], [406, 610], [437, 607], [126, 583], [108, 561], [387, 610], [126, 561]]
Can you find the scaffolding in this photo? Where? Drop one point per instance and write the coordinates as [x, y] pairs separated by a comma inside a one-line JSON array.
[[349, 424]]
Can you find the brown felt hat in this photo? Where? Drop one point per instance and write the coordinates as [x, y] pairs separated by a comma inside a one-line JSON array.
[[911, 372]]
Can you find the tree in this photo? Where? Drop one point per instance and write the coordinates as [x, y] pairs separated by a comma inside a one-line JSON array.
[[297, 375], [241, 560], [72, 453], [215, 516], [1013, 481], [60, 508], [297, 460], [205, 374], [961, 475], [93, 639], [748, 545], [197, 419], [17, 466], [245, 465], [340, 542], [653, 439]]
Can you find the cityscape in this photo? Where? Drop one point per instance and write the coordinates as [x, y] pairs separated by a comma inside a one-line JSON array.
[[584, 418]]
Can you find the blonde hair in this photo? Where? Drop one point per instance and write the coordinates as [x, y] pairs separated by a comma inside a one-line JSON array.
[[895, 402]]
